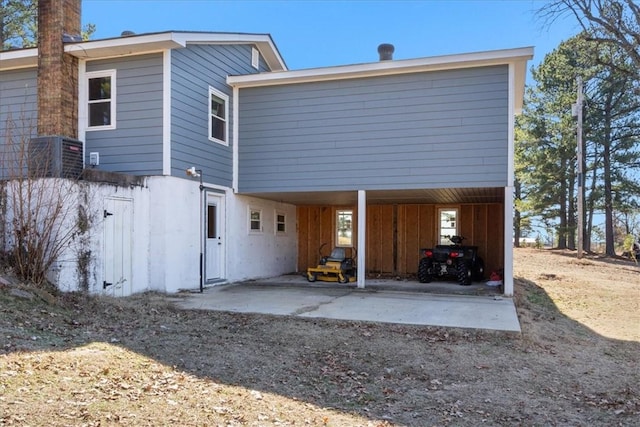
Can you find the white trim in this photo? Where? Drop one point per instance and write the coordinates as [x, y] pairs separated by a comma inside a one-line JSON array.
[[224, 97], [255, 58], [509, 190], [362, 233], [439, 223], [277, 232], [510, 130], [112, 74], [250, 210], [166, 112], [337, 229], [381, 68], [236, 138], [83, 113], [147, 43]]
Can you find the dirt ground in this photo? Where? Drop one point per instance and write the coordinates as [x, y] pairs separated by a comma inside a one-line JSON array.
[[79, 360]]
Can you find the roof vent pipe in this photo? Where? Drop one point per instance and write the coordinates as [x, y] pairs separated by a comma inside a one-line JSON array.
[[127, 33], [385, 50]]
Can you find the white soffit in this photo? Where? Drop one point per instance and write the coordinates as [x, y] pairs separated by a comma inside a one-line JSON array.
[[147, 43], [518, 56]]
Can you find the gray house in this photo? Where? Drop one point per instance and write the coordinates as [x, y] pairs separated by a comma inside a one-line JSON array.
[[247, 167]]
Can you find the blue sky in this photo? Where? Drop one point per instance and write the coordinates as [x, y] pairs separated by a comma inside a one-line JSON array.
[[325, 33]]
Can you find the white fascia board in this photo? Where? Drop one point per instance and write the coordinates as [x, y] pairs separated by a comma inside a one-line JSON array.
[[122, 46], [20, 58], [382, 68], [263, 42]]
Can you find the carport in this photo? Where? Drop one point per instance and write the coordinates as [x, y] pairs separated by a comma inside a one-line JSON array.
[[391, 226]]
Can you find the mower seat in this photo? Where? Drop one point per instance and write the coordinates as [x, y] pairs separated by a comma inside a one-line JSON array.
[[337, 255]]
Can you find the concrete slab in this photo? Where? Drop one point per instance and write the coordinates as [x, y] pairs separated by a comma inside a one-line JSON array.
[[347, 303]]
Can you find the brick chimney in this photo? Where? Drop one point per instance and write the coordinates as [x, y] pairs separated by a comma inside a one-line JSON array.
[[57, 71]]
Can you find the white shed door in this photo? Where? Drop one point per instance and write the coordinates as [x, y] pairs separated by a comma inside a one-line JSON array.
[[118, 217]]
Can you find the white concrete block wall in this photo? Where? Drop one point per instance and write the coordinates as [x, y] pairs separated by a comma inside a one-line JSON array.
[[167, 235], [267, 253], [174, 229]]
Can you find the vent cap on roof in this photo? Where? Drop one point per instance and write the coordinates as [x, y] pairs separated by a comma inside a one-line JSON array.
[[127, 33], [385, 50]]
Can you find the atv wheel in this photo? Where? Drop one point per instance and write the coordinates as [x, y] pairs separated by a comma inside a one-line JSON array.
[[478, 270], [312, 277], [424, 270], [463, 274]]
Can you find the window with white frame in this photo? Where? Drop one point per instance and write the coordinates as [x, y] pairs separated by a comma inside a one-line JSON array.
[[255, 220], [344, 228], [218, 113], [281, 223], [447, 225], [101, 100]]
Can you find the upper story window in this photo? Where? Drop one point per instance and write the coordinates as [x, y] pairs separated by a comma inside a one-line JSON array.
[[101, 99], [218, 113]]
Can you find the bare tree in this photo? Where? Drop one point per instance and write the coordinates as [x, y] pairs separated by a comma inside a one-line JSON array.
[[41, 216], [615, 22]]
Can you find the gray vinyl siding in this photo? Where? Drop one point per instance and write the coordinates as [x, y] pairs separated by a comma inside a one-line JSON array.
[[445, 129], [135, 146], [18, 116], [194, 69]]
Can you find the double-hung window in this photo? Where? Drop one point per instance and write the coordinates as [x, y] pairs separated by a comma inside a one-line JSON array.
[[218, 113], [101, 100]]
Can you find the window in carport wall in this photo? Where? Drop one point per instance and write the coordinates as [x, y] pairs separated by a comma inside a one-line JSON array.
[[447, 224], [344, 228]]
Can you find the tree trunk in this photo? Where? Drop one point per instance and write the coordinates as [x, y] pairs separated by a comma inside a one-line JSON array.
[[516, 216], [571, 214], [606, 162], [562, 199]]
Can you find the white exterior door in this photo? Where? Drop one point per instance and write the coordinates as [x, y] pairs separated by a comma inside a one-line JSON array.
[[214, 238], [118, 217]]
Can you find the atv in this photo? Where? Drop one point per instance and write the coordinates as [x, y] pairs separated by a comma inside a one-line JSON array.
[[455, 260], [339, 266]]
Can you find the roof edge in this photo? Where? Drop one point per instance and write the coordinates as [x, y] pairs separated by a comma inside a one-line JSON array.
[[147, 43], [382, 68]]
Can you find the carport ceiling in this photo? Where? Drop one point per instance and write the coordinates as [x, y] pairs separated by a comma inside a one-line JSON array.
[[379, 197]]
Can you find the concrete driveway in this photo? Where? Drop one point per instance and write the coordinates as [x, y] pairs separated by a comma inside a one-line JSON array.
[[346, 302]]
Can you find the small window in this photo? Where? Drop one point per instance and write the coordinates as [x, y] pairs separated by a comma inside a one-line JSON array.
[[281, 223], [218, 113], [212, 222], [448, 225], [255, 58], [255, 220], [344, 228], [101, 100]]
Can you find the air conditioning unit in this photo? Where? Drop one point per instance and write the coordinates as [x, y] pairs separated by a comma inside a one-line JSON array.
[[55, 156]]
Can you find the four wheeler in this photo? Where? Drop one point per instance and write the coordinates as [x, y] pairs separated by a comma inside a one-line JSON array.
[[337, 267], [456, 260]]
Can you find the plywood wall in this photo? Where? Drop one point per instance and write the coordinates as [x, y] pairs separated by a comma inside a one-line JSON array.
[[396, 233]]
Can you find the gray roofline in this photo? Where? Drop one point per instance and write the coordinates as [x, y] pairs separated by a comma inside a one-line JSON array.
[[146, 43]]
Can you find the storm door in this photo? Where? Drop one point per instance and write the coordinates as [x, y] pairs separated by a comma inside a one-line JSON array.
[[214, 238]]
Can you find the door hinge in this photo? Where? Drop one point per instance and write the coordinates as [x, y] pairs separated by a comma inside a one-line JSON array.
[[105, 283], [106, 214]]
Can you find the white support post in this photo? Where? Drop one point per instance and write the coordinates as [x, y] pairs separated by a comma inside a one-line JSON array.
[[362, 233]]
